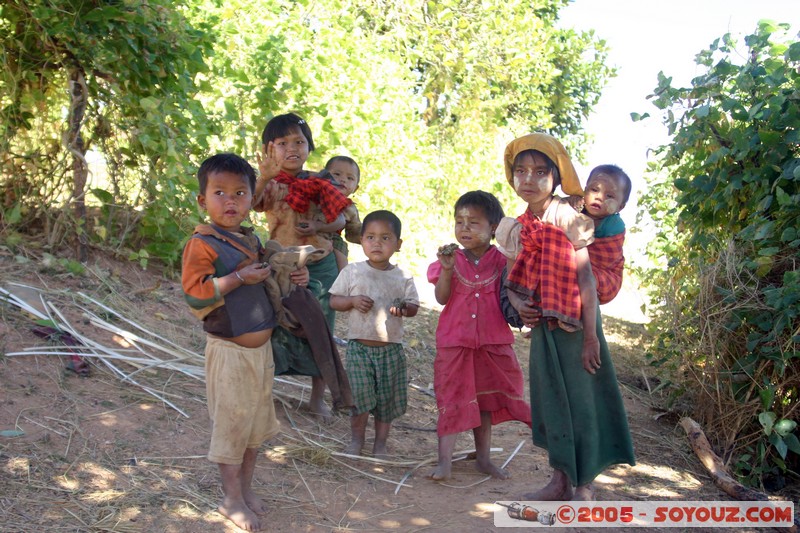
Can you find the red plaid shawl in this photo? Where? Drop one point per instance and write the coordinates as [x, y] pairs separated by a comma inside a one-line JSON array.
[[303, 191], [605, 254], [546, 270]]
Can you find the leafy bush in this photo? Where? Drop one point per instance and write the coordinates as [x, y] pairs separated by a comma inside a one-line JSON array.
[[726, 198]]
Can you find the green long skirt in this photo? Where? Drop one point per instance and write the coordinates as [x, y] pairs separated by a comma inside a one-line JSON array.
[[292, 354], [325, 271], [577, 417]]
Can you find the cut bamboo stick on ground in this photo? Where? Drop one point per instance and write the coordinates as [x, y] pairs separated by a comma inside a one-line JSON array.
[[718, 472], [714, 465]]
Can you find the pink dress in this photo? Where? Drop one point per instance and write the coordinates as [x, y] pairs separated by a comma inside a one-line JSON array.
[[475, 368]]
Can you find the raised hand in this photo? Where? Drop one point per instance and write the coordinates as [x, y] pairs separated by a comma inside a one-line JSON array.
[[268, 164]]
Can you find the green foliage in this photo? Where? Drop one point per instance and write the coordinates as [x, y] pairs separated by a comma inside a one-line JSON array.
[[726, 198], [423, 96], [137, 63]]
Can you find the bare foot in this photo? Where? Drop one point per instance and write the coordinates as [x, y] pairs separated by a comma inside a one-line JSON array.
[[240, 514], [354, 448], [379, 451], [321, 411], [255, 503], [491, 469], [584, 493], [558, 489], [441, 472]]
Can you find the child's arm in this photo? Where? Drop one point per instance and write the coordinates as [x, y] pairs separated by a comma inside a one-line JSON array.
[[442, 287], [315, 226], [591, 344], [529, 314], [352, 225], [346, 303], [249, 275], [198, 279], [202, 290]]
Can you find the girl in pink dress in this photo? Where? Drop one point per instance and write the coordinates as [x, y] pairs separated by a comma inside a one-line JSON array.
[[476, 375]]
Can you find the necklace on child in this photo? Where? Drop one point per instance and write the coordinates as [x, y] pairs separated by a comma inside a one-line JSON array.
[[472, 257]]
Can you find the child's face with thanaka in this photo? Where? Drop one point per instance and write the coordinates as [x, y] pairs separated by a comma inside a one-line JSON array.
[[290, 151], [473, 230], [346, 174], [603, 196], [533, 181], [227, 199]]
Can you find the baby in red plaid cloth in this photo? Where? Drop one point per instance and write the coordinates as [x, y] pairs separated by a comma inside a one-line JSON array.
[[607, 191], [576, 408]]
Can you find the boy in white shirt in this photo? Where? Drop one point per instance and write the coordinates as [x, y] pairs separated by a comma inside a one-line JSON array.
[[376, 296]]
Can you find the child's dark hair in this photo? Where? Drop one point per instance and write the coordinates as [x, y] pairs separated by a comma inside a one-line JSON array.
[[382, 215], [283, 125], [344, 159], [482, 200], [619, 174], [226, 162], [551, 166]]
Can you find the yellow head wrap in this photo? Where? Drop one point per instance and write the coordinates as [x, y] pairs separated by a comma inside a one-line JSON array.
[[553, 149]]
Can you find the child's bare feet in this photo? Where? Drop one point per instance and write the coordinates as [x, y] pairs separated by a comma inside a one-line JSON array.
[[354, 448], [441, 472], [558, 489], [379, 450], [321, 411], [584, 493], [240, 514], [491, 469], [316, 403], [255, 503]]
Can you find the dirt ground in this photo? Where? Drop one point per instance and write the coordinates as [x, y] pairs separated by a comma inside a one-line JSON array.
[[98, 453]]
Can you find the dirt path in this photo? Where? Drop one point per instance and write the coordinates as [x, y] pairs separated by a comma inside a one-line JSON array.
[[96, 454]]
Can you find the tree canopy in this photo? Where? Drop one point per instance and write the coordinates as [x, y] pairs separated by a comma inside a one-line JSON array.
[[424, 96]]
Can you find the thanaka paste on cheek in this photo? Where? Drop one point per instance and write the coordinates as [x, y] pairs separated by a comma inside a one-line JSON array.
[[612, 206], [543, 183], [483, 237]]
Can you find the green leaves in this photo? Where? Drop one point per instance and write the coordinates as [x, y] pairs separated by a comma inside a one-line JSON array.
[[731, 174], [140, 62]]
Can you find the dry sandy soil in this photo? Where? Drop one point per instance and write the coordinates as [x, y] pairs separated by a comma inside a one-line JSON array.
[[99, 454]]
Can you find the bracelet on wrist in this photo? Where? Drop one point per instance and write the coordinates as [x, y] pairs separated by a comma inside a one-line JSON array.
[[239, 277]]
